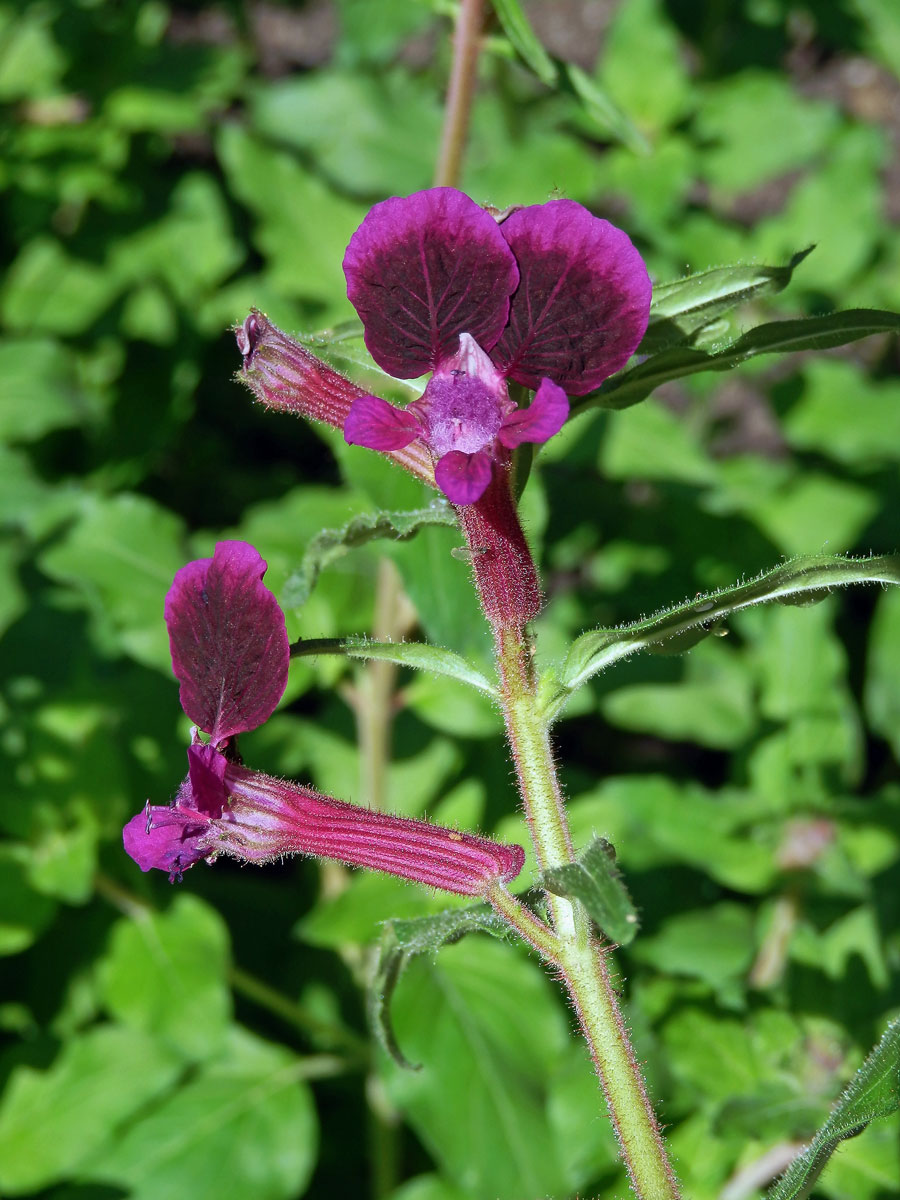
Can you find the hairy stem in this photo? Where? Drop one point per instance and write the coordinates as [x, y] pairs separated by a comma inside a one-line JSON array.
[[571, 947], [463, 78]]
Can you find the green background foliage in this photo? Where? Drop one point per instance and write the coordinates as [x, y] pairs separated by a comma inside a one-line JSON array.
[[165, 167]]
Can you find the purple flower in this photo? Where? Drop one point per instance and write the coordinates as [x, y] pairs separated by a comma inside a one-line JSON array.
[[553, 298], [230, 653]]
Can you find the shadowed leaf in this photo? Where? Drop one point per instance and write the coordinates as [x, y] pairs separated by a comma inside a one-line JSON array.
[[401, 942], [594, 879]]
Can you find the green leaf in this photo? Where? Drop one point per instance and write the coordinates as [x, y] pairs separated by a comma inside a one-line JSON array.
[[808, 579], [332, 544], [423, 657], [243, 1127], [603, 111], [682, 308], [524, 41], [52, 1120], [595, 880], [122, 555], [484, 1022], [714, 943], [882, 688], [736, 125], [775, 337], [874, 1092], [39, 390], [643, 66], [165, 973], [402, 941], [24, 914]]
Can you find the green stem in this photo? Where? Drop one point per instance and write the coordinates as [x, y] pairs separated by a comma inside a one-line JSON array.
[[463, 77], [582, 963]]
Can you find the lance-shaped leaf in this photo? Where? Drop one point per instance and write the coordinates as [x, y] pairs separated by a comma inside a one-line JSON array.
[[874, 1092], [681, 308], [603, 111], [776, 337], [524, 40], [420, 655], [330, 544], [402, 941], [801, 580], [594, 879]]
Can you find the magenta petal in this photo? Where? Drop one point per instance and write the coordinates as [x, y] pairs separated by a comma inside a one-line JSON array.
[[167, 839], [463, 478], [423, 269], [206, 777], [544, 417], [228, 640], [583, 302], [374, 423]]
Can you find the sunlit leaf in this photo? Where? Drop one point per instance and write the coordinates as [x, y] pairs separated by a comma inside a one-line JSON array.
[[808, 578], [684, 306], [776, 337]]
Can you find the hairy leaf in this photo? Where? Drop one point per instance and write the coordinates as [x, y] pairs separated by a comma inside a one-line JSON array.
[[330, 544], [402, 941], [873, 1092], [423, 657], [594, 879], [776, 337], [798, 581], [684, 307]]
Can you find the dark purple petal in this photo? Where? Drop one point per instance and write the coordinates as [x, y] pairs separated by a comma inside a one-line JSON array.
[[463, 477], [544, 417], [583, 301], [167, 839], [206, 776], [228, 640], [423, 269], [373, 422]]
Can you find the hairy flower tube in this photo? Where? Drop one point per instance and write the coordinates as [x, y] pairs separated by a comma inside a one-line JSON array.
[[553, 298], [230, 654]]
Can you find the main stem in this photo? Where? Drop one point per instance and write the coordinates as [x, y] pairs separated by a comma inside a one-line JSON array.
[[582, 963], [508, 588]]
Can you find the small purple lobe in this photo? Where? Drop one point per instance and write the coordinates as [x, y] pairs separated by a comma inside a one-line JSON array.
[[175, 839], [374, 423], [583, 302], [544, 417], [463, 478], [228, 641], [423, 269]]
